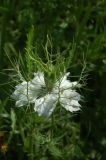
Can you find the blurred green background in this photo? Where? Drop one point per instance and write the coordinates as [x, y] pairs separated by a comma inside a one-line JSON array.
[[68, 22]]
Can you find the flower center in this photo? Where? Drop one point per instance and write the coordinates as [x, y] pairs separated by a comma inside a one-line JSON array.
[[42, 92]]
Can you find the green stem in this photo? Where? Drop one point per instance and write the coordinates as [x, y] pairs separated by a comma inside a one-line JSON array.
[[52, 126]]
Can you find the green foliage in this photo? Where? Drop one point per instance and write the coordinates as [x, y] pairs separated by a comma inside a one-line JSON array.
[[71, 35]]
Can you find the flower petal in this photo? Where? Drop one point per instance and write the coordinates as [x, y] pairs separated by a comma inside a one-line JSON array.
[[69, 94], [45, 105], [37, 86], [69, 100], [21, 103], [38, 79], [28, 91], [63, 83], [71, 106], [21, 94]]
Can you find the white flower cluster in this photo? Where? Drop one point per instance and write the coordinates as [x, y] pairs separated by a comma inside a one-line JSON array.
[[35, 91]]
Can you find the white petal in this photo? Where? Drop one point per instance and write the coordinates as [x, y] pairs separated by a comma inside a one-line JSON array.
[[21, 94], [69, 100], [71, 106], [21, 103], [34, 92], [68, 85], [64, 78], [45, 105], [38, 79], [28, 91], [63, 83], [70, 94], [75, 103], [37, 86]]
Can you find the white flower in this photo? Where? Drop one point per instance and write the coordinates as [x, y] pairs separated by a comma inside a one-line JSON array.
[[27, 92], [62, 92], [68, 97], [20, 94], [45, 101], [45, 105]]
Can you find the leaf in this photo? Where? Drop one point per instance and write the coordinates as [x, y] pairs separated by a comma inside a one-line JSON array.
[[13, 120], [55, 152]]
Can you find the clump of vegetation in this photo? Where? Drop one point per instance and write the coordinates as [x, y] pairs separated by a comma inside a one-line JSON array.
[[63, 37]]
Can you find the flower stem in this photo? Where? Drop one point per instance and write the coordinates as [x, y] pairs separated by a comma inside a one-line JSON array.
[[52, 126]]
